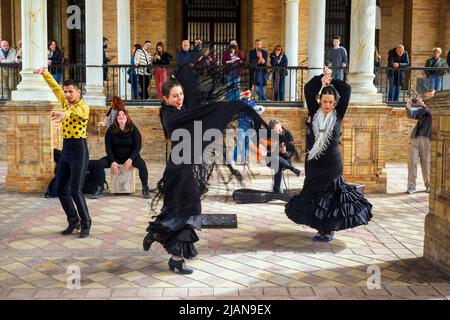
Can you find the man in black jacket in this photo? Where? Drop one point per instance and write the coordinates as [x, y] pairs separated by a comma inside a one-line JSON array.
[[420, 143], [286, 152], [398, 58]]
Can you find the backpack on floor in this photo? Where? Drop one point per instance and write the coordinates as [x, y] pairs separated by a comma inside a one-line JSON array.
[[89, 179]]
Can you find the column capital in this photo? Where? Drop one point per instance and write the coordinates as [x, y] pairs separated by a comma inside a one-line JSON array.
[[291, 1]]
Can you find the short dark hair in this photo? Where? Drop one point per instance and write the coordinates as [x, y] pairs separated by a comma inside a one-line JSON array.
[[337, 38], [147, 41], [273, 123], [74, 83], [105, 39]]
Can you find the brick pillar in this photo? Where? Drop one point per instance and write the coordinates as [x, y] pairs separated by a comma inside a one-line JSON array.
[[363, 146], [437, 221], [30, 138]]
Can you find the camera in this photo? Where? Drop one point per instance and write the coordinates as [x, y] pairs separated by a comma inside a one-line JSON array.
[[414, 100]]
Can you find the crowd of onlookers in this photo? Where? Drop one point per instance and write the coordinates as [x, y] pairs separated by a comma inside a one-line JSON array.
[[147, 64]]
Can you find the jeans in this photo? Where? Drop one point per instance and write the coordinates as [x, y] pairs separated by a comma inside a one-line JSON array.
[[242, 142], [134, 86], [260, 91], [394, 89], [338, 74], [233, 83], [283, 165], [435, 83], [57, 76]]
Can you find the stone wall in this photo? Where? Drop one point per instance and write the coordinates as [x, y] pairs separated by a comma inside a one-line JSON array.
[[437, 221], [398, 128]]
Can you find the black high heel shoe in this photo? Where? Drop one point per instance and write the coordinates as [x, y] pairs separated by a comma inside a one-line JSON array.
[[71, 228], [148, 241], [178, 264]]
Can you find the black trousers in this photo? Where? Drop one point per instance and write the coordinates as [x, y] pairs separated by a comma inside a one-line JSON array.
[[69, 180], [104, 162], [283, 165], [144, 82]]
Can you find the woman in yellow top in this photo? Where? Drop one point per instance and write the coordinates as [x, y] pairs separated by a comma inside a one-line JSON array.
[[74, 158]]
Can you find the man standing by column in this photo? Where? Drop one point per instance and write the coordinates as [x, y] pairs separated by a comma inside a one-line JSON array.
[[337, 58], [420, 143], [74, 157]]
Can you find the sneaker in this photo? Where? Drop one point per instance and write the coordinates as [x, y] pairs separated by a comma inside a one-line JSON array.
[[428, 189], [411, 190]]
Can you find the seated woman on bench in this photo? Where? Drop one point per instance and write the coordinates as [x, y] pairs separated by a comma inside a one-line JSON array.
[[123, 143]]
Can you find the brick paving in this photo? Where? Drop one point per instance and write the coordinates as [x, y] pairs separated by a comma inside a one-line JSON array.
[[266, 257]]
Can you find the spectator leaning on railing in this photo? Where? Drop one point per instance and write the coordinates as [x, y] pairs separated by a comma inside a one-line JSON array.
[[435, 77], [143, 57], [7, 56], [398, 58]]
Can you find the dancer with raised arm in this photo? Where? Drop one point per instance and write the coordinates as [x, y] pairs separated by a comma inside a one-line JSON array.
[[326, 202], [75, 156]]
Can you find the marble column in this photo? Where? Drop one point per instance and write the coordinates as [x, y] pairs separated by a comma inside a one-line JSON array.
[[316, 37], [34, 54], [291, 47], [94, 53], [362, 46], [124, 44]]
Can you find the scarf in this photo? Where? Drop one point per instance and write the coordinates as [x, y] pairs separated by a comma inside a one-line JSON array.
[[323, 127]]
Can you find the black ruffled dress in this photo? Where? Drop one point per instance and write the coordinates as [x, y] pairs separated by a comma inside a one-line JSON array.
[[326, 202], [183, 184]]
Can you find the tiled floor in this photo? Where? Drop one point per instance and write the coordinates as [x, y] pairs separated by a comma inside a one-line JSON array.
[[267, 256]]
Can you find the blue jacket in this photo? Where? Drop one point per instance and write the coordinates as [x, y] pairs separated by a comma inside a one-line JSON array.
[[184, 57], [283, 63], [403, 60], [253, 62]]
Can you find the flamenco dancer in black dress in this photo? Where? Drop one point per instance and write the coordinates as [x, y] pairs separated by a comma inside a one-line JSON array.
[[326, 202], [184, 183]]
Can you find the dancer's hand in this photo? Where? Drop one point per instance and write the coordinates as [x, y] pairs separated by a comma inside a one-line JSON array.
[[128, 164], [57, 116], [41, 70], [282, 148], [115, 168]]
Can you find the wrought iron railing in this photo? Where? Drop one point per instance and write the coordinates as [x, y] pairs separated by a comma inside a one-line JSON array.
[[126, 82]]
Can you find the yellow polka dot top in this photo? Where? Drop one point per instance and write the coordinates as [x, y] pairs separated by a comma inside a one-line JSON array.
[[74, 125]]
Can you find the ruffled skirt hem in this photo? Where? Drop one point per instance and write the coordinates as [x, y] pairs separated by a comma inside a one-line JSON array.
[[339, 207]]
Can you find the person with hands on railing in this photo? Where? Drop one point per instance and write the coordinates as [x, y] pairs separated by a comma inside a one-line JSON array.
[[74, 156]]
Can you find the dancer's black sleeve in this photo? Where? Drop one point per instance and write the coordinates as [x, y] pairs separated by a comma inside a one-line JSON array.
[[344, 90], [312, 88]]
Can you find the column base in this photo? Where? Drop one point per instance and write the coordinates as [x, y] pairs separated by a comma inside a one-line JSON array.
[[363, 89], [32, 88], [94, 95]]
